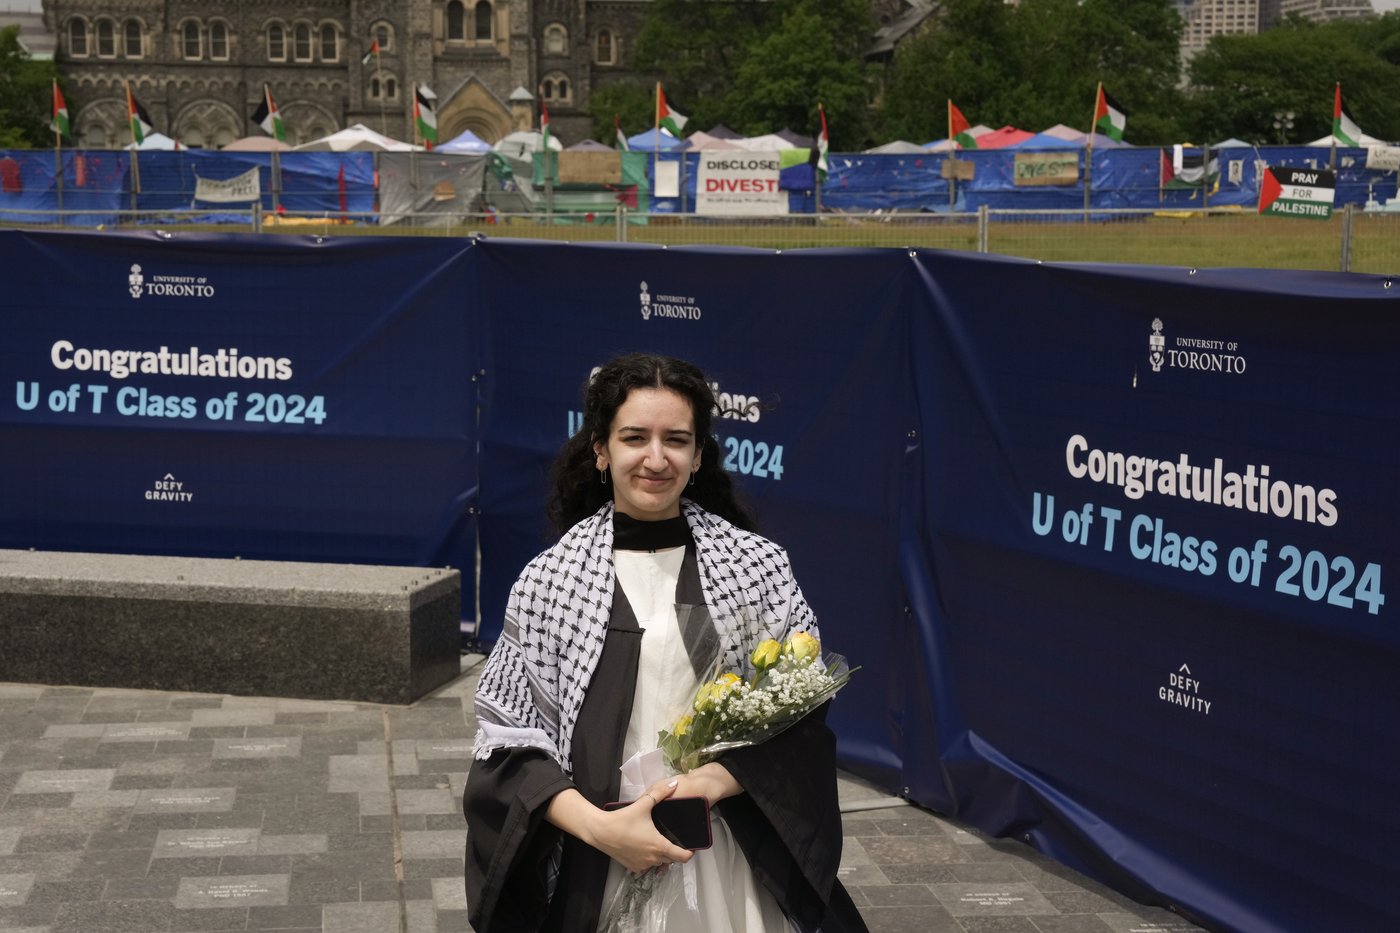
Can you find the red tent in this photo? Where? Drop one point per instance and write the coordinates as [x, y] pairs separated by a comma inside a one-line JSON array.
[[1000, 139]]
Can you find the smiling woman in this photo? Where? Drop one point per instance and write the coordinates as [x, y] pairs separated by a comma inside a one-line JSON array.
[[608, 633]]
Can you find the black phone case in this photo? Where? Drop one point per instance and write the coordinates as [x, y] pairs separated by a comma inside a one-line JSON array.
[[685, 821]]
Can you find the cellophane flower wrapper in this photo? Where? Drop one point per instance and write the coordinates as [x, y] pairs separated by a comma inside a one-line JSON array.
[[781, 683]]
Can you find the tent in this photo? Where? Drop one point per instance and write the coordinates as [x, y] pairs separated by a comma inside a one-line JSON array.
[[797, 139], [521, 143], [772, 142], [257, 144], [1046, 141], [588, 145], [157, 142], [1232, 143], [357, 138], [704, 142], [651, 141], [897, 147], [1002, 138], [466, 143], [948, 145], [1366, 142], [1064, 132], [720, 131]]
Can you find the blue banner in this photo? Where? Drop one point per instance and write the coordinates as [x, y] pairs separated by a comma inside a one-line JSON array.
[[268, 397], [814, 416], [1159, 532]]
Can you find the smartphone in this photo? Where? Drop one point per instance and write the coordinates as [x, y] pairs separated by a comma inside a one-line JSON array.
[[685, 821]]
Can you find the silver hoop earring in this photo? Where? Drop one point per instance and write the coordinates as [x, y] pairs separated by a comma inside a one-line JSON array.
[[603, 477], [692, 477]]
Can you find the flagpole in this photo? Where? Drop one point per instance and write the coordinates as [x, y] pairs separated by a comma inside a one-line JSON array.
[[58, 154], [1332, 158], [1089, 151], [383, 116], [952, 154], [656, 146], [417, 142], [276, 170], [135, 147]]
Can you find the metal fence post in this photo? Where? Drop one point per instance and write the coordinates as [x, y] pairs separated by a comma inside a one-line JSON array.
[[621, 214], [257, 217], [1347, 214], [983, 222]]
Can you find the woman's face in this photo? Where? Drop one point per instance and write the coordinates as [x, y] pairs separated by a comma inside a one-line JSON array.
[[651, 452]]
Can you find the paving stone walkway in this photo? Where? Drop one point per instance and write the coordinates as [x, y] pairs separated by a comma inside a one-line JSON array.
[[141, 811]]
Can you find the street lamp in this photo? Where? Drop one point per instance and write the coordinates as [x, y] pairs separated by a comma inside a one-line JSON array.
[[1283, 124]]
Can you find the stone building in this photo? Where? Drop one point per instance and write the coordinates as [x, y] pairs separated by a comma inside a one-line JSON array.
[[199, 68]]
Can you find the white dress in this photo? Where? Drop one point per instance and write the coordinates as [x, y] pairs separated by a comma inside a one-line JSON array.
[[719, 893]]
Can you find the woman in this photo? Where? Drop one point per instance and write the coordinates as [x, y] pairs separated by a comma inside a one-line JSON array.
[[594, 656]]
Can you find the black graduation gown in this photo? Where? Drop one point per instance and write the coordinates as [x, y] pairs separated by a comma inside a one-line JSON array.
[[786, 822]]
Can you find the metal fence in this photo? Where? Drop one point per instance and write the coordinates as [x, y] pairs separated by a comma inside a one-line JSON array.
[[1350, 240]]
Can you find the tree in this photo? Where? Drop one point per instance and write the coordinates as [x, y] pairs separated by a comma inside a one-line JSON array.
[[814, 56], [631, 104], [1244, 85], [26, 100], [762, 64], [1037, 64]]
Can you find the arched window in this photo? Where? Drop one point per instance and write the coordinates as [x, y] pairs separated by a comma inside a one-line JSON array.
[[191, 48], [604, 52], [330, 43], [77, 37], [555, 89], [276, 43], [384, 36], [483, 20], [556, 39], [383, 87], [456, 21], [131, 39], [218, 41], [301, 43], [106, 39], [562, 89], [547, 89]]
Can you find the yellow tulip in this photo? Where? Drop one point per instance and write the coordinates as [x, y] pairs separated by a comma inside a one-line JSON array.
[[682, 725], [804, 647]]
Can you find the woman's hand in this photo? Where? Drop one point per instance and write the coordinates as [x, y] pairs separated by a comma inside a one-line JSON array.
[[625, 835], [711, 781]]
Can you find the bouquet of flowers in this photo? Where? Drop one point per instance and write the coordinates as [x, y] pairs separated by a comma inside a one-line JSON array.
[[788, 680]]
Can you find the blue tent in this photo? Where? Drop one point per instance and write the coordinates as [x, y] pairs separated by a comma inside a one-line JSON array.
[[468, 142], [650, 141]]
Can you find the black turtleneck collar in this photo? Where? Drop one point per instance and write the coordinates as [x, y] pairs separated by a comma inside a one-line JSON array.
[[630, 534]]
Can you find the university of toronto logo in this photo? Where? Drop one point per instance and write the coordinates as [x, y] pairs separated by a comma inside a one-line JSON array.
[[134, 281], [646, 303], [1157, 345]]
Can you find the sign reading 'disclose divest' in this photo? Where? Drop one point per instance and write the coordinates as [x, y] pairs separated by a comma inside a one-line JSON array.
[[238, 396], [737, 182]]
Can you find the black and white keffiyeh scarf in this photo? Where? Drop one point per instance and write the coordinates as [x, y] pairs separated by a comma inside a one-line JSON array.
[[534, 683]]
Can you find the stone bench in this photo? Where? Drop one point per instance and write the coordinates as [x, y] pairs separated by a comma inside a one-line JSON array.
[[248, 627]]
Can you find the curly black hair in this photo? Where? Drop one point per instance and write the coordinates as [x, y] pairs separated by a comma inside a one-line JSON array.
[[577, 492]]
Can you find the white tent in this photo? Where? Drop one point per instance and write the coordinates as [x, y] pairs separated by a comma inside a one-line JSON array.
[[769, 143], [158, 142], [704, 142], [1366, 142], [521, 143], [897, 147], [257, 144], [357, 138]]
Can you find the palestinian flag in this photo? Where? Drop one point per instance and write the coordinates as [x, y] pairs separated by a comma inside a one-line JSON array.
[[544, 127], [373, 51], [425, 114], [668, 118], [1344, 128], [141, 125], [823, 144], [1109, 118], [1186, 167], [959, 130], [269, 118], [621, 137], [60, 113]]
